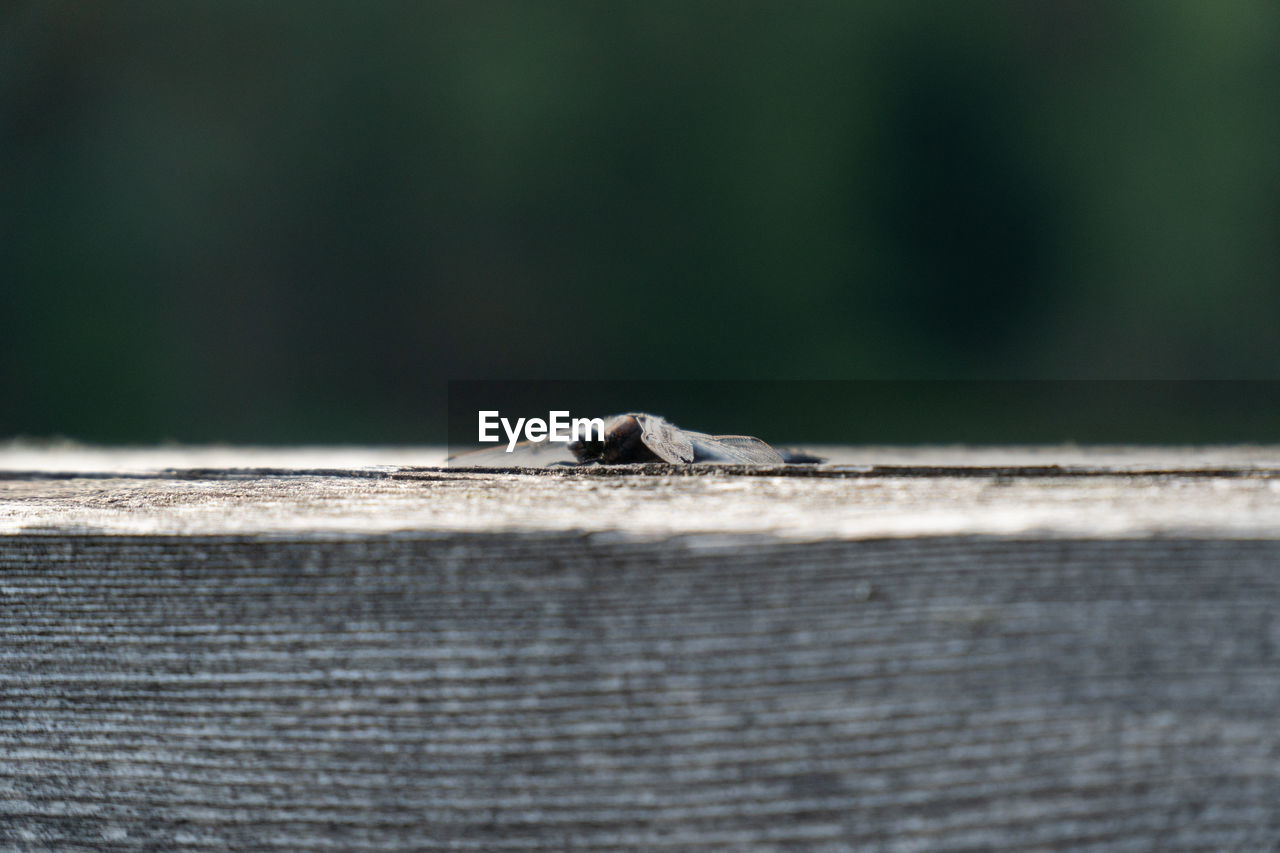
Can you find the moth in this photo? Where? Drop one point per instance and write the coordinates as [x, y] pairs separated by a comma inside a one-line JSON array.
[[637, 437]]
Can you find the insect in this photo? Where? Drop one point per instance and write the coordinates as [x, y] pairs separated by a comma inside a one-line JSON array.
[[648, 438], [638, 437]]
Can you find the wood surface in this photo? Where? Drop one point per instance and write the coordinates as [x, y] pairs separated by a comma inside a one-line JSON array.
[[902, 650]]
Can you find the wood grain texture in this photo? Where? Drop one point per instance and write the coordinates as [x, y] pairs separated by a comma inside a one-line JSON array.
[[482, 674]]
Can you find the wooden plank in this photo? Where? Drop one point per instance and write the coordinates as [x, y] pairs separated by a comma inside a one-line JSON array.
[[866, 656]]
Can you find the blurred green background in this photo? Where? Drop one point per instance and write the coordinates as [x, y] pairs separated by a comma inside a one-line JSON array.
[[291, 222]]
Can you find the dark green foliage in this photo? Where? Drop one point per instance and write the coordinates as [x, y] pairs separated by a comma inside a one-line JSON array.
[[295, 222]]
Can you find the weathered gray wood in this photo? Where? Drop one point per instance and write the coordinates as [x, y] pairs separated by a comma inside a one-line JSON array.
[[852, 658]]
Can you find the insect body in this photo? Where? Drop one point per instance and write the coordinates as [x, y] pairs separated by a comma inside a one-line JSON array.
[[639, 437]]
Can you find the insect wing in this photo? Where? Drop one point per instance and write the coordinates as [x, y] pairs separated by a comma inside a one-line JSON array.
[[742, 449], [668, 442]]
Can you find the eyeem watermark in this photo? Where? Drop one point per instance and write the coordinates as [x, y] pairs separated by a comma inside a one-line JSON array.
[[558, 426]]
